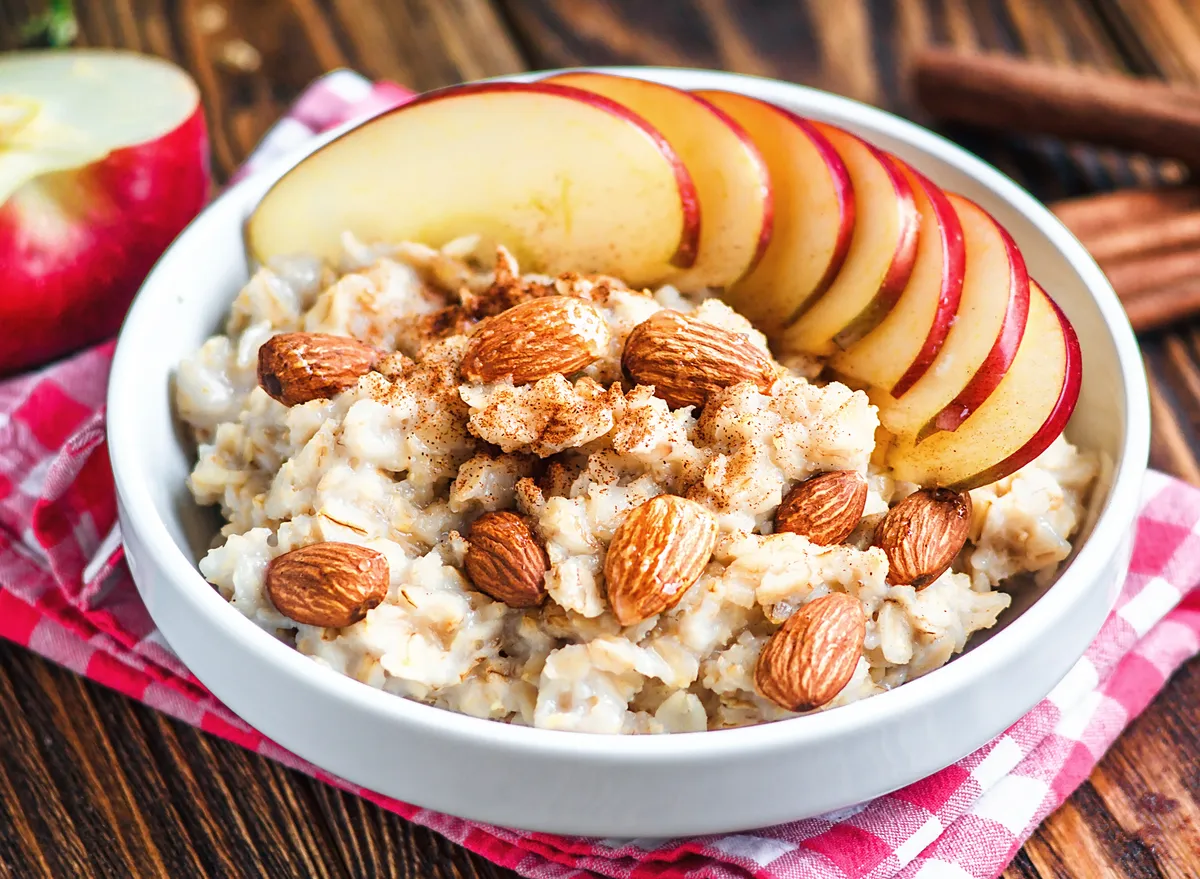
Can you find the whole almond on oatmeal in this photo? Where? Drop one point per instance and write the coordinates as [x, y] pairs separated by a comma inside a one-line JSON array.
[[541, 337], [687, 360], [328, 584], [825, 508], [812, 656], [505, 560], [659, 551], [922, 534], [297, 367]]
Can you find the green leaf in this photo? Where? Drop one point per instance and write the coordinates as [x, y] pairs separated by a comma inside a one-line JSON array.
[[55, 28]]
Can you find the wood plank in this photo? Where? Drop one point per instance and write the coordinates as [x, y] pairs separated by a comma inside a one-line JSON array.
[[1169, 31], [425, 44], [1156, 809], [203, 831], [1170, 443], [1084, 840], [566, 33], [38, 835], [118, 768], [92, 771]]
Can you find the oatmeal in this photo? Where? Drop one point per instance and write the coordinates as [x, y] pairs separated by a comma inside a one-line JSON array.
[[560, 499]]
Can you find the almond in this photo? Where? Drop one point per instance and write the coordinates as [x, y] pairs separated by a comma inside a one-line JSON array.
[[922, 534], [297, 367], [505, 560], [812, 656], [825, 508], [328, 584], [687, 360], [541, 337], [659, 551]]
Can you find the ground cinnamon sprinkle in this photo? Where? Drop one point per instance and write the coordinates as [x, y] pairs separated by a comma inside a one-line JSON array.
[[405, 461]]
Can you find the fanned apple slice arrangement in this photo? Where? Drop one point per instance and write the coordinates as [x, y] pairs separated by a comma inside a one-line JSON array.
[[833, 247]]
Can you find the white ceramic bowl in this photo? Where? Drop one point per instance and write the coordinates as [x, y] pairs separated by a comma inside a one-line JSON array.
[[621, 786]]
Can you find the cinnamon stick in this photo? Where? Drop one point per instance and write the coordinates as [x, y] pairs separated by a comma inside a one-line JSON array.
[[1089, 215], [1154, 271], [997, 92], [1146, 237], [1147, 241], [1163, 306]]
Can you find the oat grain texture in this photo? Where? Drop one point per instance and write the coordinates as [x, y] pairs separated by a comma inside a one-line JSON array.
[[93, 784]]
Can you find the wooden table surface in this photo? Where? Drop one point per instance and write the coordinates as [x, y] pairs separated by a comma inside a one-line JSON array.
[[92, 783]]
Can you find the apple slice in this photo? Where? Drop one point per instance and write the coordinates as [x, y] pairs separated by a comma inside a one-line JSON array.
[[880, 261], [568, 180], [899, 351], [982, 340], [1027, 411], [813, 211], [730, 175], [103, 161]]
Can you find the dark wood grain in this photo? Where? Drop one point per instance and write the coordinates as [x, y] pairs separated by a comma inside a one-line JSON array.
[[92, 783]]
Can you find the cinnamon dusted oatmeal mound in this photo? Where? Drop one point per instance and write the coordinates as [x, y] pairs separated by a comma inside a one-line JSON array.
[[566, 495]]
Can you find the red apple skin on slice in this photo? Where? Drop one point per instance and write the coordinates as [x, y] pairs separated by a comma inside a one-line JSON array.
[[981, 342], [76, 242], [1025, 414], [900, 350], [813, 212], [880, 261], [605, 193], [730, 175]]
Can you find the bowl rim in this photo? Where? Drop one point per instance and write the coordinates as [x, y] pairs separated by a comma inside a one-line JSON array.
[[1035, 622]]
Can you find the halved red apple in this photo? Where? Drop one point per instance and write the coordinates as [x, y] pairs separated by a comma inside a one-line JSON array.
[[813, 212], [730, 175], [1027, 411], [880, 261], [982, 341], [103, 161], [567, 179], [900, 350]]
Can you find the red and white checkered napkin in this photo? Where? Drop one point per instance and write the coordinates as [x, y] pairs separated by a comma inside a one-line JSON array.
[[56, 502]]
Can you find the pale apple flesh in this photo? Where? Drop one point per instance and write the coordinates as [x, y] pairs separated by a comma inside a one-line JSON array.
[[1018, 421], [728, 171], [879, 263], [813, 212], [103, 161], [895, 354], [981, 342], [64, 110], [568, 180]]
